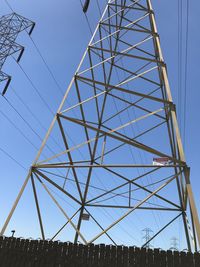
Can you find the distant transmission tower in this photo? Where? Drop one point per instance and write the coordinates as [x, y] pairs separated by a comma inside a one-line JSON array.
[[10, 27], [174, 244], [119, 148], [148, 234]]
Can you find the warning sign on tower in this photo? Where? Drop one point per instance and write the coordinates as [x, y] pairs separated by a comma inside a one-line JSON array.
[[161, 161]]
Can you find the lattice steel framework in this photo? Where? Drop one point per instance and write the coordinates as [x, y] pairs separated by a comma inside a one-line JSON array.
[[10, 26], [121, 116]]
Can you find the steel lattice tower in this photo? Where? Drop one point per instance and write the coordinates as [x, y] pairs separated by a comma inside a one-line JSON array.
[[122, 118], [10, 27]]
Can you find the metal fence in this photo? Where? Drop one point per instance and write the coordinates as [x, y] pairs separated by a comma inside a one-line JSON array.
[[16, 252]]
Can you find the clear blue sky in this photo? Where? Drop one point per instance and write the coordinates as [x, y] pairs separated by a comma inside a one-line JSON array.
[[62, 34]]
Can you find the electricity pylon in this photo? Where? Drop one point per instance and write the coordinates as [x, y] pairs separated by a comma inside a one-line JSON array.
[[10, 27], [119, 146], [148, 233], [174, 244]]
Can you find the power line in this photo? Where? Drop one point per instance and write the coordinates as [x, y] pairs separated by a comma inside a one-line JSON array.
[[29, 110], [47, 66], [186, 74], [24, 120], [9, 5], [36, 90], [86, 17], [18, 129], [12, 158], [35, 117], [10, 104], [28, 124], [98, 7], [180, 35], [50, 71]]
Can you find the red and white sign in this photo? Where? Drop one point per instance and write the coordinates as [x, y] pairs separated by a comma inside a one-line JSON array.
[[161, 161]]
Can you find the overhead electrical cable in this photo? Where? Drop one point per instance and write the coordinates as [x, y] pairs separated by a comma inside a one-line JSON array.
[[180, 59], [29, 109], [30, 127], [186, 74], [180, 28], [12, 158], [35, 117], [24, 120], [7, 3], [47, 66], [98, 6], [180, 36], [86, 17], [36, 89], [18, 129]]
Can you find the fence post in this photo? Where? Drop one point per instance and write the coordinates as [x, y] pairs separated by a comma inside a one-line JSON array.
[[24, 253], [169, 258], [65, 253], [177, 259], [91, 255], [119, 256], [143, 257], [163, 258], [96, 255], [183, 259], [56, 253], [102, 255], [150, 258], [45, 258], [17, 257], [10, 251], [132, 257], [4, 251], [80, 255], [137, 257], [107, 255], [85, 256], [197, 259], [125, 257], [189, 260], [31, 252], [157, 258], [1, 244], [40, 253], [113, 253], [70, 255]]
